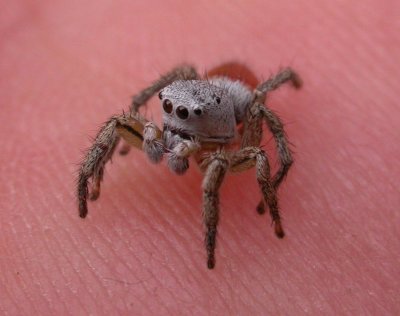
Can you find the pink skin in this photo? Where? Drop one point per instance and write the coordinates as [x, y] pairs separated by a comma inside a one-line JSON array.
[[66, 67]]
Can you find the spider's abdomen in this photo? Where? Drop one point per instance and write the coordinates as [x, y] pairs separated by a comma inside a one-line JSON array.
[[239, 93]]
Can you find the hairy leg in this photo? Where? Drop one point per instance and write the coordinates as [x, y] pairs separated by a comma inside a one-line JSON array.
[[92, 167], [285, 156], [252, 134], [247, 158], [286, 75], [216, 167]]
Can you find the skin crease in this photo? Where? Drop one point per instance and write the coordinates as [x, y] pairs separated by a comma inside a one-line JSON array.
[[67, 66]]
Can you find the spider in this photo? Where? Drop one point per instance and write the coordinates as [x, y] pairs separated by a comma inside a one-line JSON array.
[[217, 120]]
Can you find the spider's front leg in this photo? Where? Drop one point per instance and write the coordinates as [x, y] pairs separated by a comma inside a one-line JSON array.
[[131, 129], [216, 166]]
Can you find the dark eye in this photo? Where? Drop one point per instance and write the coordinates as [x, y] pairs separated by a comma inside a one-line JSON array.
[[167, 106], [218, 99], [160, 95], [182, 112], [197, 112]]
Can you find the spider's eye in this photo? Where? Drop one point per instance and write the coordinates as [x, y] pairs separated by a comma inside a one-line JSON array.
[[160, 95], [218, 99], [182, 112], [167, 106], [197, 112]]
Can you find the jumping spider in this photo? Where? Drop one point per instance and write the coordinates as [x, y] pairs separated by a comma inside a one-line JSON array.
[[217, 120]]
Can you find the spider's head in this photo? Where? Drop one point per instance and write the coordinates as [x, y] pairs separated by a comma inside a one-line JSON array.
[[196, 108]]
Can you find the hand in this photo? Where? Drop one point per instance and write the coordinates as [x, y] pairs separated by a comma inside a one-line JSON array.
[[67, 66]]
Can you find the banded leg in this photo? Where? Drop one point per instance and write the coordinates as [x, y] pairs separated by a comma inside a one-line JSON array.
[[217, 166], [245, 159], [92, 167]]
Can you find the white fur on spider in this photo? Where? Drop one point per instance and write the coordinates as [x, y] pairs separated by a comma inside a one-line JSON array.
[[208, 109]]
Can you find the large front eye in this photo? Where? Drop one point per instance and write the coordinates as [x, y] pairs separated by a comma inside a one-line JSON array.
[[167, 106], [182, 112]]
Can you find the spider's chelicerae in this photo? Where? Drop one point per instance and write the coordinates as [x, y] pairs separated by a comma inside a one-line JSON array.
[[217, 120]]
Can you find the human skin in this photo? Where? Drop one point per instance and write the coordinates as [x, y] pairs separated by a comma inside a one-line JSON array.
[[67, 66]]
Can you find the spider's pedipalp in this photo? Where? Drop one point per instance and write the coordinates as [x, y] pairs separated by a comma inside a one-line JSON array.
[[153, 145]]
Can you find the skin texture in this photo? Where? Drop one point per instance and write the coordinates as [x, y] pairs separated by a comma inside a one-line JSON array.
[[68, 66]]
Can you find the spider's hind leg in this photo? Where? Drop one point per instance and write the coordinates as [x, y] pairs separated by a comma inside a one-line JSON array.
[[216, 166], [257, 112], [249, 157]]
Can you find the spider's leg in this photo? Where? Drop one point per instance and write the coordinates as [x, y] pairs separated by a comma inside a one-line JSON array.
[[216, 167], [253, 133], [246, 158], [253, 120], [183, 72], [285, 156], [260, 207], [252, 137], [275, 82], [92, 167], [256, 112]]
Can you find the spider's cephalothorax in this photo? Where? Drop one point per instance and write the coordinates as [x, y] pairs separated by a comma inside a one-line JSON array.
[[200, 119]]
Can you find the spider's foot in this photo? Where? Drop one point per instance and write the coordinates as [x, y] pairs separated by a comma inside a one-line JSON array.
[[83, 209], [279, 230], [124, 150], [95, 192], [211, 261], [260, 208], [296, 80]]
